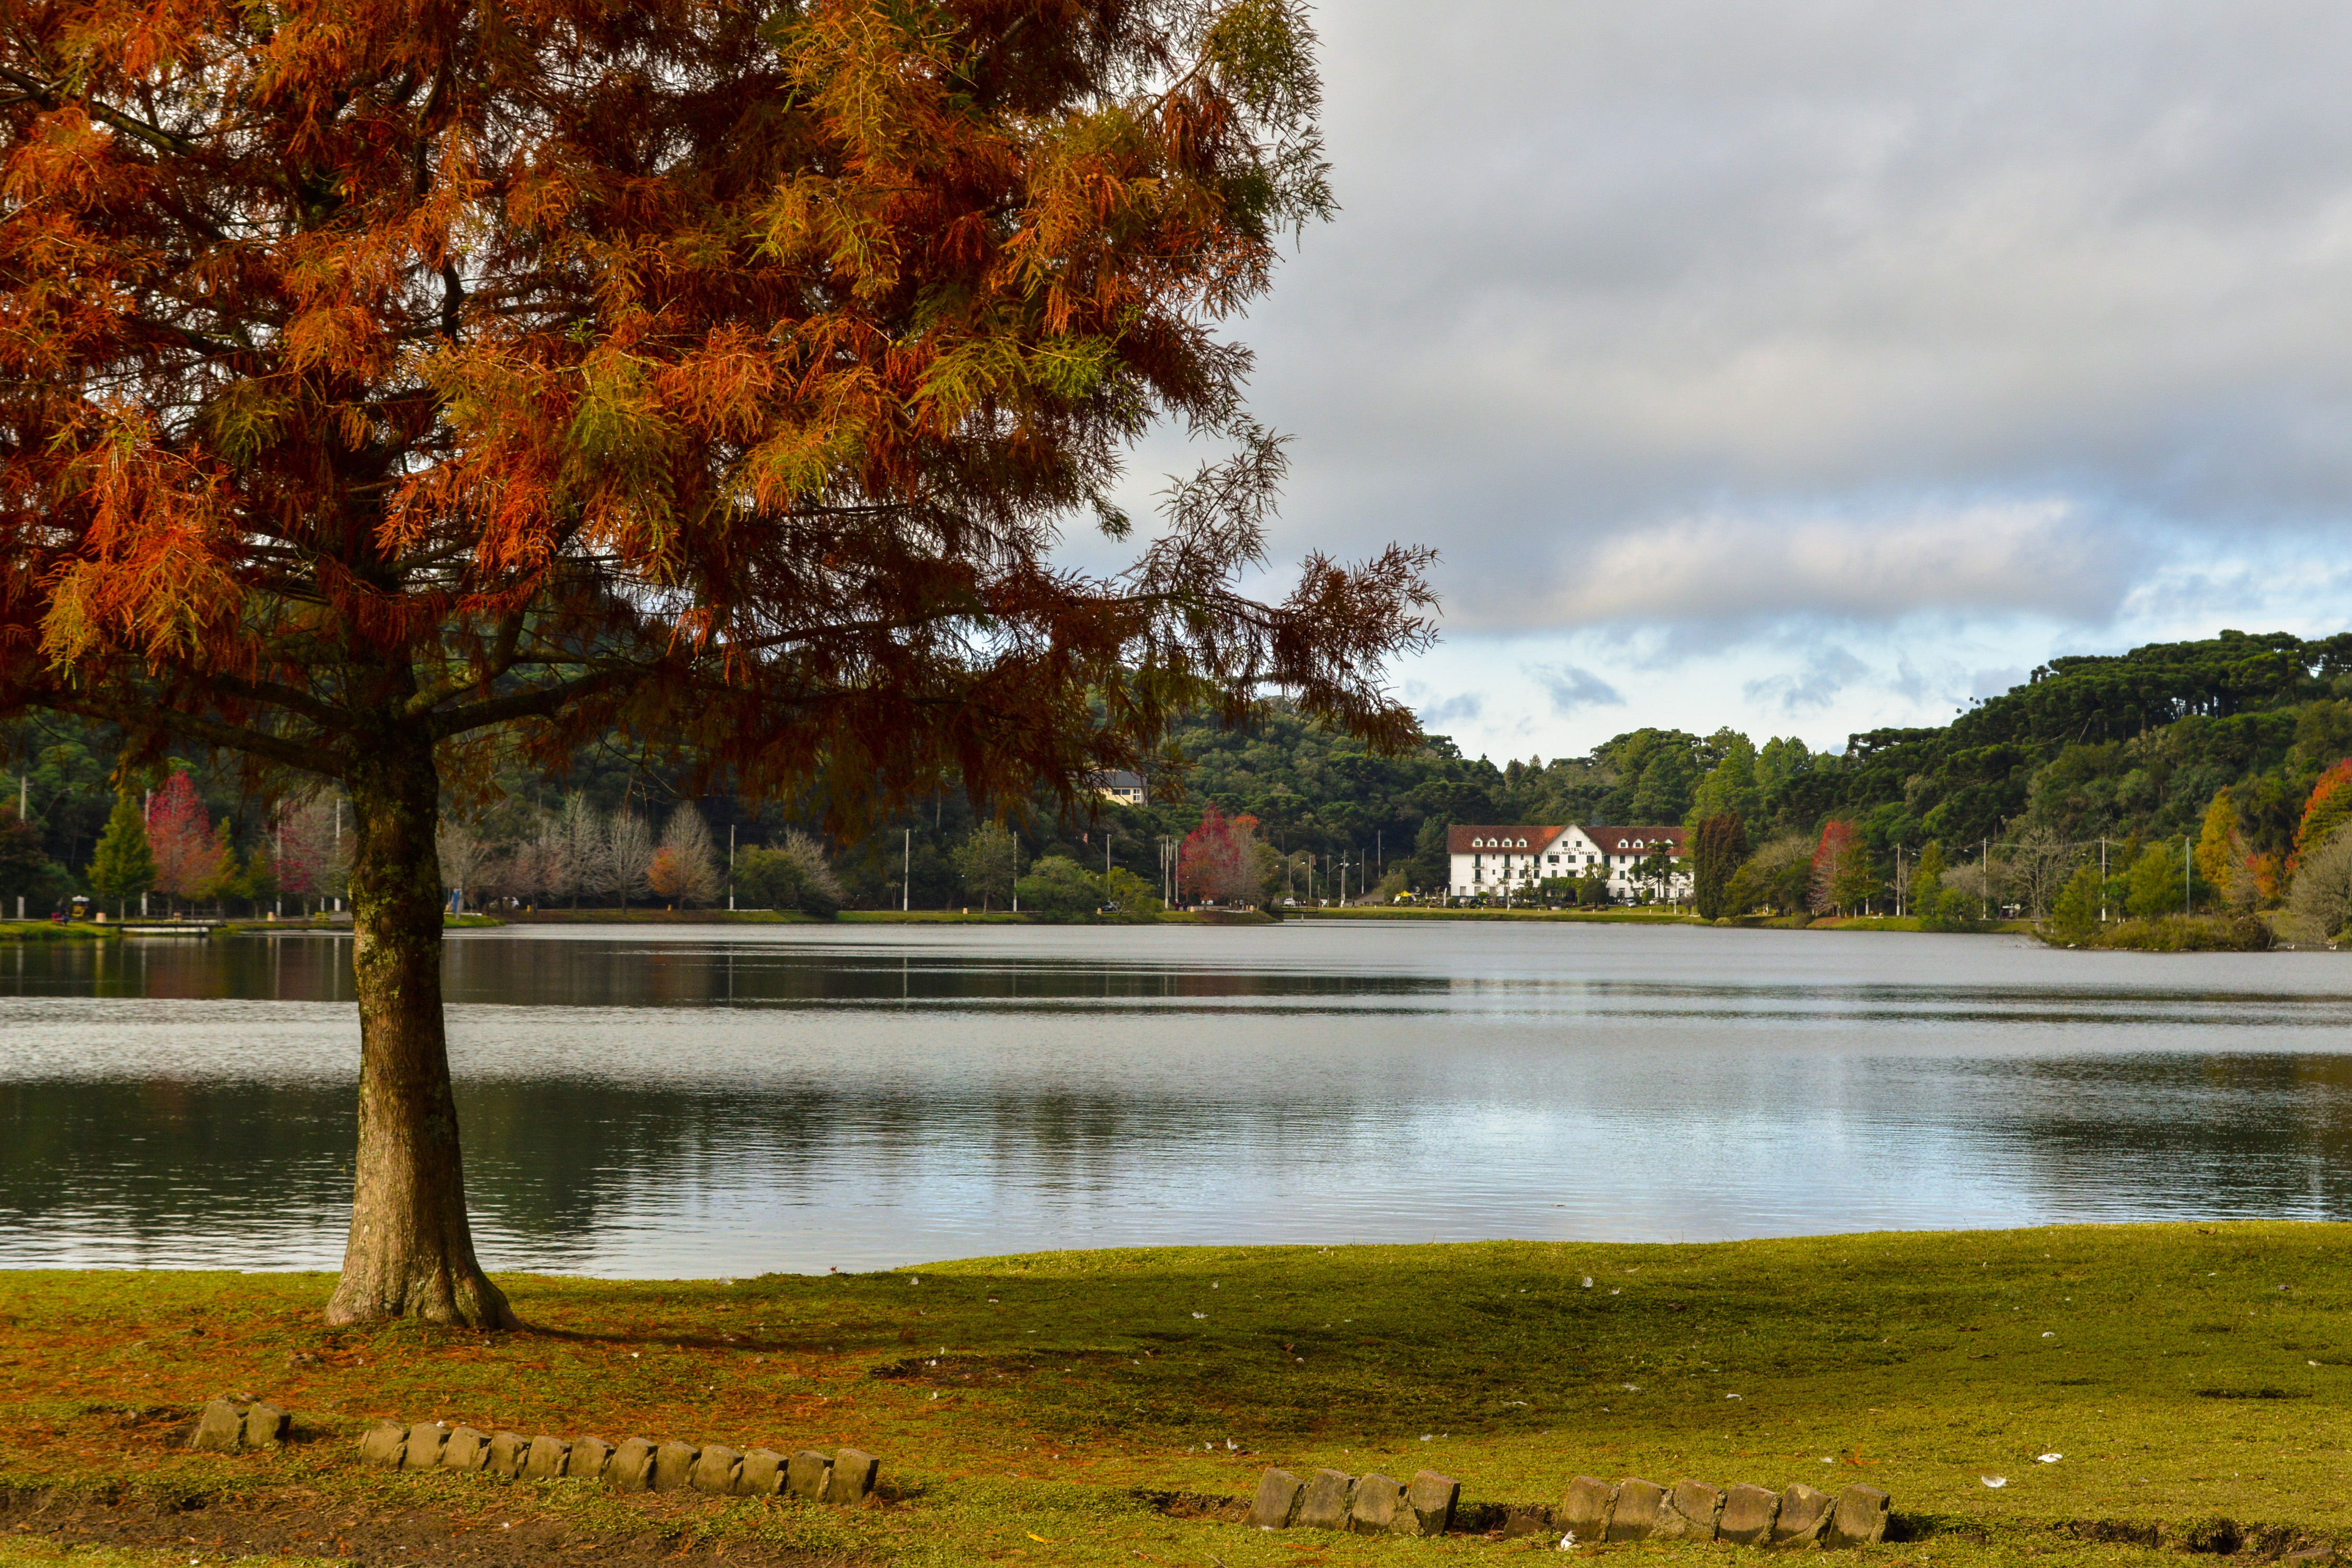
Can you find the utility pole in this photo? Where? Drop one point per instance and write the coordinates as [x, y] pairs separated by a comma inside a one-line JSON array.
[[2187, 905], [1984, 879], [907, 876], [2103, 879], [730, 868], [1016, 873]]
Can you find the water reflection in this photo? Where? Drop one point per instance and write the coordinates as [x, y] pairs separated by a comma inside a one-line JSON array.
[[721, 1103]]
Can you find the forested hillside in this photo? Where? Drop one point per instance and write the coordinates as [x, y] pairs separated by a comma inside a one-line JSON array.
[[2134, 749]]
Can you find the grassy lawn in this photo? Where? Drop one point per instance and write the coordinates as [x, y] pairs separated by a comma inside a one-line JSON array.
[[1046, 1409]]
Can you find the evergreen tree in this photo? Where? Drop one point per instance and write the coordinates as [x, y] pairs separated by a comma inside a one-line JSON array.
[[1926, 890], [989, 863], [2155, 886], [1731, 786], [1721, 848], [25, 870], [2076, 914], [124, 864]]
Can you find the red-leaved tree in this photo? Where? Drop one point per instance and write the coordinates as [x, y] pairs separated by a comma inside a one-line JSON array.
[[1841, 877], [389, 386], [188, 857]]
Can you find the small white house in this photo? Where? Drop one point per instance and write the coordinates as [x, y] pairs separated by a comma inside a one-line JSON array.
[[1495, 861]]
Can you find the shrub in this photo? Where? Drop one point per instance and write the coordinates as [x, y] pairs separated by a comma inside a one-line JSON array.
[[1059, 888], [794, 875], [2076, 915], [2319, 900]]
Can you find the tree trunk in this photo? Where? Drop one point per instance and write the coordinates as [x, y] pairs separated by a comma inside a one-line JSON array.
[[411, 1252]]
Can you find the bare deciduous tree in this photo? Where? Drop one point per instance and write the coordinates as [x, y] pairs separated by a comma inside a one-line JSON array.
[[465, 855], [2038, 864], [685, 869]]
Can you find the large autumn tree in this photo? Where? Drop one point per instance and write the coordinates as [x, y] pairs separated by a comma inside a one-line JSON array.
[[387, 381]]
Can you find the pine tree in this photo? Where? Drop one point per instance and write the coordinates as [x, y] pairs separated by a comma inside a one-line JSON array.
[[1717, 853], [124, 864]]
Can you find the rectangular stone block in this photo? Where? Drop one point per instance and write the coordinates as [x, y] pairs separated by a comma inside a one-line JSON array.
[[853, 1476], [467, 1449], [508, 1451], [1431, 1500], [1277, 1503], [589, 1458], [1639, 1505], [673, 1463], [1379, 1502], [383, 1444], [806, 1474], [220, 1427], [1748, 1515], [714, 1470], [762, 1475], [545, 1459], [631, 1467], [1691, 1510], [1859, 1517], [1330, 1495], [1584, 1512], [266, 1426], [1803, 1512], [424, 1441]]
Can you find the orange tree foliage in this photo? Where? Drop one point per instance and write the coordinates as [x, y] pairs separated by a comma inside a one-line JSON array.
[[721, 370], [2327, 808], [386, 381]]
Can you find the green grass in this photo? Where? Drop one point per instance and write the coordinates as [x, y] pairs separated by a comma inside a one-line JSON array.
[[53, 930], [2173, 934], [2182, 1371]]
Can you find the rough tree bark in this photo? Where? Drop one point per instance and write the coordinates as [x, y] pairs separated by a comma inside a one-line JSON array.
[[411, 1252]]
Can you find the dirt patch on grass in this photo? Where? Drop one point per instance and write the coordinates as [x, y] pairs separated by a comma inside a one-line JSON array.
[[306, 1525]]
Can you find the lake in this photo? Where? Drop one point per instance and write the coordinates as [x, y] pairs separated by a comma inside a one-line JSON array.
[[729, 1100]]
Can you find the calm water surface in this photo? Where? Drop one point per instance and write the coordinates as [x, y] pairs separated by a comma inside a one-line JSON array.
[[730, 1101]]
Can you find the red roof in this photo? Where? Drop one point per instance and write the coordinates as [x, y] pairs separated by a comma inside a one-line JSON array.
[[1615, 841], [1457, 839]]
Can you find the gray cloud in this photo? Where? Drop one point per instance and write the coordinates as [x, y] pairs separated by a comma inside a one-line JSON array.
[[1451, 710], [1709, 315], [1573, 688], [1827, 672]]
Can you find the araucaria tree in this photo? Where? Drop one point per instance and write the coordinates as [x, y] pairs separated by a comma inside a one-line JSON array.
[[385, 383]]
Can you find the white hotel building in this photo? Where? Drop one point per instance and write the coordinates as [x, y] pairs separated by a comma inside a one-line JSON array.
[[1495, 861]]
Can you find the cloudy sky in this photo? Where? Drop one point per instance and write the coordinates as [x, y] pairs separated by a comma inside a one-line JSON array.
[[1819, 365]]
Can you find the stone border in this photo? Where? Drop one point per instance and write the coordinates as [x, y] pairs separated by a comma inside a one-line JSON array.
[[224, 1426], [634, 1465], [1365, 1505], [1593, 1513], [1634, 1510]]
